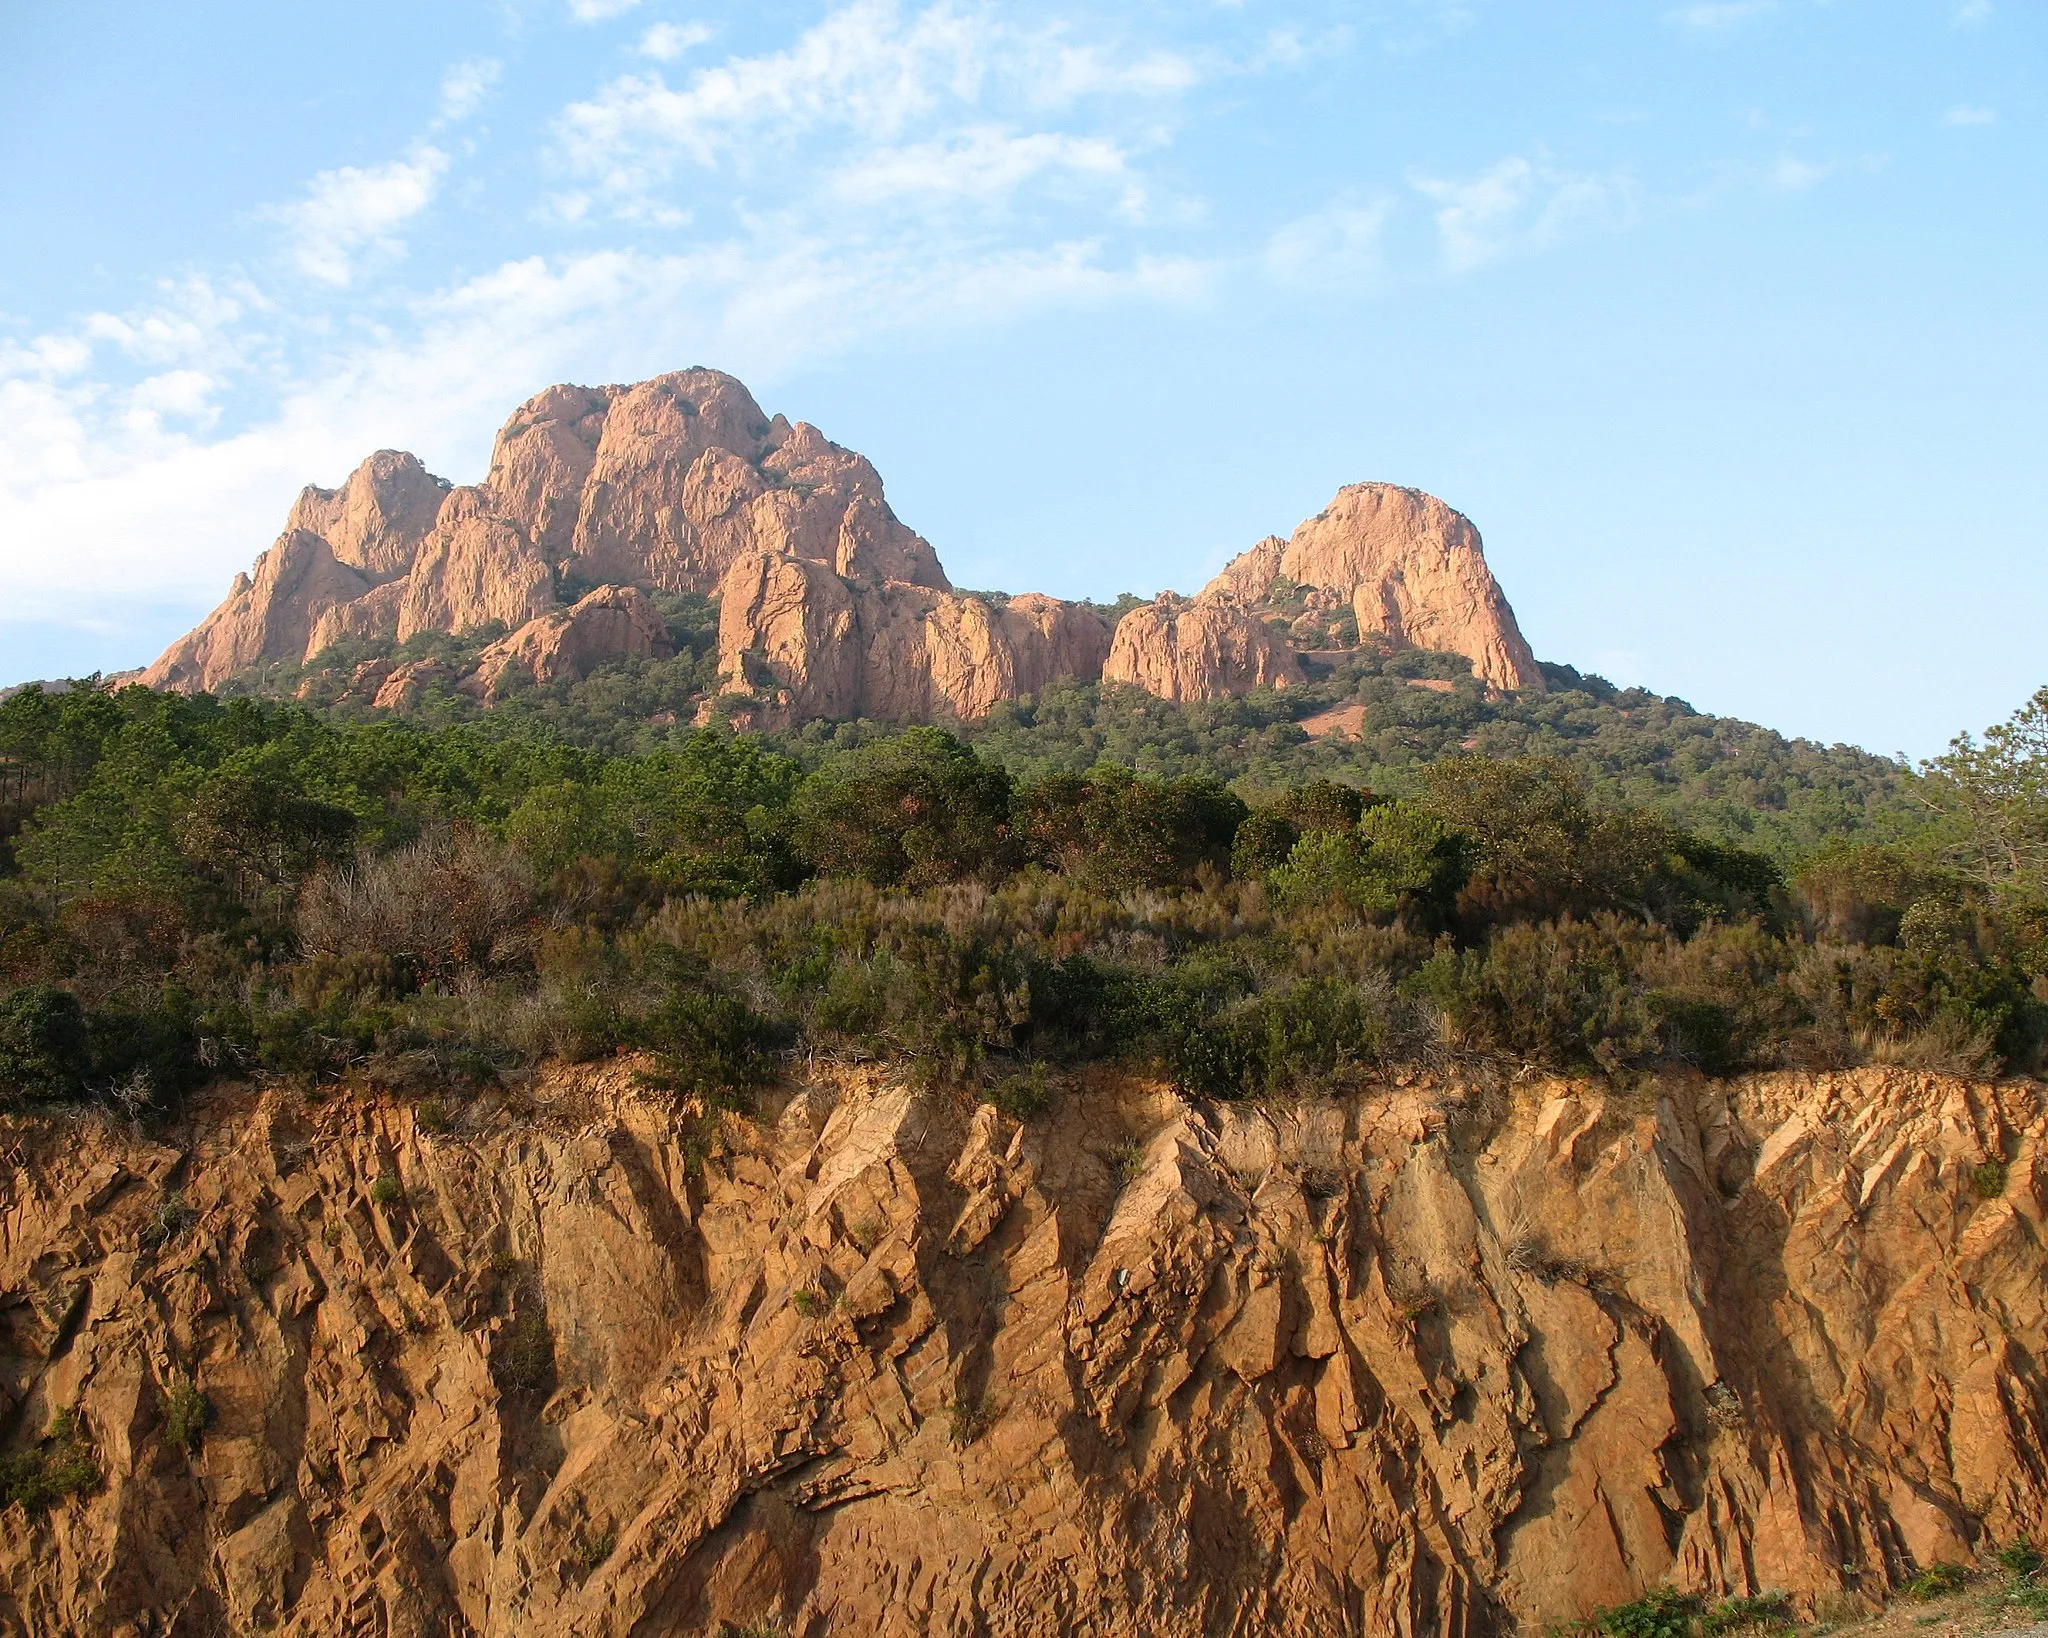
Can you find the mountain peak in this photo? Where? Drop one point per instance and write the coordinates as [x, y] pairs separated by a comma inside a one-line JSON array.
[[829, 605]]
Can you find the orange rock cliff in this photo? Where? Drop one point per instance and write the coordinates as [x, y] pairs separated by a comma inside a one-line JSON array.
[[828, 605], [1426, 1359]]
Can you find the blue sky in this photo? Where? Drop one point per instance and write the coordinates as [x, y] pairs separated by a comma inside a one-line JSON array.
[[1723, 321]]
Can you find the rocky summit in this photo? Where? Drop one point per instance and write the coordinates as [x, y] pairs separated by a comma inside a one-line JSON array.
[[829, 606]]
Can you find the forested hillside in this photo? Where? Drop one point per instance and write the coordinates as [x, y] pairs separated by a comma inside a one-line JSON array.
[[1374, 721], [195, 886]]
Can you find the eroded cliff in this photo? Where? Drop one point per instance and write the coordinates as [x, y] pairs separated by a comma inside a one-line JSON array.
[[1419, 1360]]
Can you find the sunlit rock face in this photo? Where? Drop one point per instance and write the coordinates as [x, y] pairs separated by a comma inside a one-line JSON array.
[[1430, 1358], [830, 606]]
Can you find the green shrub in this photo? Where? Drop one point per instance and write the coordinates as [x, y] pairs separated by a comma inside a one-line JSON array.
[[61, 1464], [968, 1418], [1663, 1613], [186, 1413], [711, 1043], [918, 809], [528, 1357], [2021, 1559], [387, 1190], [1566, 993], [44, 1048], [1398, 859], [1938, 1580], [1988, 1180], [1024, 1096], [1761, 1611], [170, 1218]]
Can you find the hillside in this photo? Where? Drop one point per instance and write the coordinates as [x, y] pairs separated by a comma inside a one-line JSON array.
[[1374, 720], [643, 560]]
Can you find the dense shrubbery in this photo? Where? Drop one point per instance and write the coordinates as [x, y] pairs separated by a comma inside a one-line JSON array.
[[198, 886]]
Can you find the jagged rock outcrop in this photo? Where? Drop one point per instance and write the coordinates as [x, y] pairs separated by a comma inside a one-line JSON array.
[[1210, 648], [811, 643], [1412, 571], [607, 624], [475, 568], [1416, 1360], [269, 616], [661, 485], [683, 484], [376, 520]]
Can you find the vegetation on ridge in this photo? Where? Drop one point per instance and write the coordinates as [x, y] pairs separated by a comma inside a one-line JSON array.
[[194, 886], [1724, 778]]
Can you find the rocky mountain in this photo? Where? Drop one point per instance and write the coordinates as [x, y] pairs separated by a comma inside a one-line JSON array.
[[829, 606], [1424, 1359]]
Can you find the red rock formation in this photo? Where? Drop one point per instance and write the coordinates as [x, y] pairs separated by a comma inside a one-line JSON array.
[[813, 643], [832, 606], [612, 622], [1211, 648], [375, 521], [882, 1362], [476, 567], [268, 618], [1412, 569]]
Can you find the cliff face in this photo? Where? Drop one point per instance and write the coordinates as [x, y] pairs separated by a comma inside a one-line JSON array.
[[1412, 1361], [1211, 648], [1410, 570], [808, 642], [830, 606], [664, 485]]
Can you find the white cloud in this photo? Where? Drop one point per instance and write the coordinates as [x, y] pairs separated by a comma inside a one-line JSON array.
[[1336, 248], [1517, 205], [465, 86], [597, 11], [352, 213], [981, 164], [129, 487], [1718, 16], [665, 42], [866, 72], [1973, 11], [1969, 114], [1791, 175]]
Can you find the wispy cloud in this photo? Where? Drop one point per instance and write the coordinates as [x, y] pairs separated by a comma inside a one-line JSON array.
[[597, 11], [981, 165], [352, 214], [665, 42], [866, 72], [1336, 248], [1790, 175], [465, 86], [1969, 114], [1972, 12], [1518, 204], [1718, 16]]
